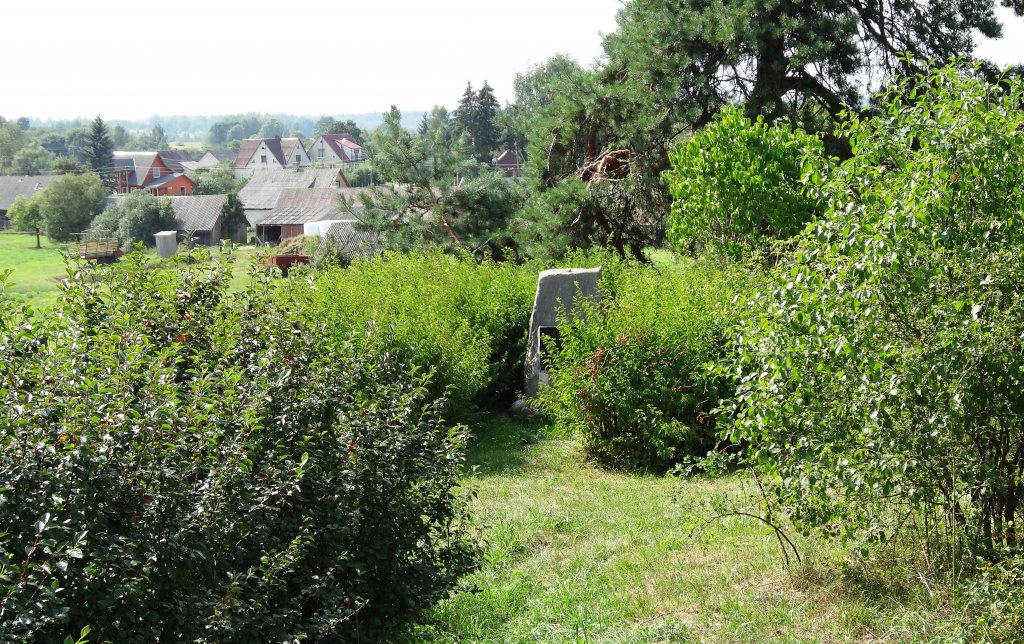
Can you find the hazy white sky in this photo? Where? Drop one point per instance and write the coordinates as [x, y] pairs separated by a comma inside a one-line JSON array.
[[68, 58]]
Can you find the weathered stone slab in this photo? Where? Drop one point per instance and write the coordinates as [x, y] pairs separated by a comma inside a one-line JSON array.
[[166, 243], [560, 291]]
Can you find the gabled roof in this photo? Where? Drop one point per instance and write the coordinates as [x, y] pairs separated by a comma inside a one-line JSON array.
[[302, 205], [274, 147], [289, 147], [173, 159], [198, 213], [339, 142], [282, 148], [13, 186], [223, 155], [140, 162], [508, 158], [247, 148]]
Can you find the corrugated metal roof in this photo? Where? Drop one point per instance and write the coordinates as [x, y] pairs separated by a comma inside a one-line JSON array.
[[264, 188], [13, 186], [197, 213], [303, 205]]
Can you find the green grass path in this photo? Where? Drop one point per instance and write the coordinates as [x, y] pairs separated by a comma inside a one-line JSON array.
[[578, 554]]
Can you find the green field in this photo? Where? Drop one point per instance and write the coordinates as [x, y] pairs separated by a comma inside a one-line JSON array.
[[36, 273]]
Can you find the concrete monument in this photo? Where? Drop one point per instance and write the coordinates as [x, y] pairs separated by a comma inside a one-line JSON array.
[[560, 292]]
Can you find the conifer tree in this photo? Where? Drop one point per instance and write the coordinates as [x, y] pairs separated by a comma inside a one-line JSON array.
[[99, 151]]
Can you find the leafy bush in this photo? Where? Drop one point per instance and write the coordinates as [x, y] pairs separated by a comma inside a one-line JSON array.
[[630, 378], [880, 373], [736, 185], [992, 601], [135, 218], [70, 203], [181, 465], [465, 320]]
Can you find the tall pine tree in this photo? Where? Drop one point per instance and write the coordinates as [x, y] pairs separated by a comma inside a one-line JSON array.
[[474, 117], [99, 151]]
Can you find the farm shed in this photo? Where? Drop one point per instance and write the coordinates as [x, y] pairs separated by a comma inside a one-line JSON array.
[[261, 193], [296, 207], [201, 217]]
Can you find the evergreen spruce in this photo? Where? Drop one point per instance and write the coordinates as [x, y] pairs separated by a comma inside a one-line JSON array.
[[99, 151]]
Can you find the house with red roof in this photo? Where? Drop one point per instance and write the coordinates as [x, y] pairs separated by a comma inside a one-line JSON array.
[[150, 171], [269, 154], [336, 150]]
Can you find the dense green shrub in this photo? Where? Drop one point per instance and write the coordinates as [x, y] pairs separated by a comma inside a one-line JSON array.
[[736, 185], [178, 464], [70, 203], [992, 602], [630, 378], [135, 218], [880, 372], [466, 320]]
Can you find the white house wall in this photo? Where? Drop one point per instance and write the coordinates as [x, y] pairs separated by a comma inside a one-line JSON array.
[[257, 161], [330, 159]]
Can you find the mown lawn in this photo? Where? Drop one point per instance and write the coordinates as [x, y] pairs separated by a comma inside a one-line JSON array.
[[578, 554], [36, 273]]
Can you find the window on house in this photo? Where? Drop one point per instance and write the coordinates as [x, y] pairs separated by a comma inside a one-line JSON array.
[[321, 153], [298, 158], [183, 191], [156, 173], [263, 158]]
